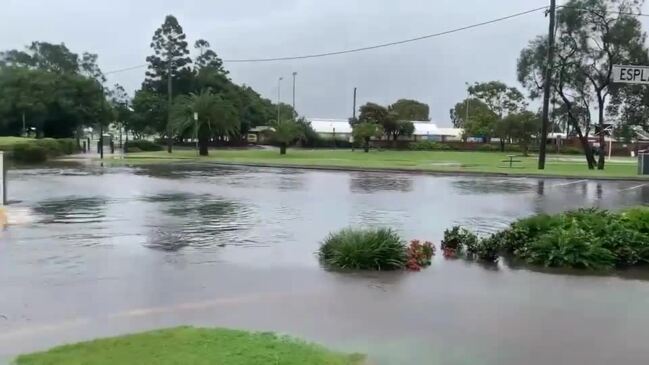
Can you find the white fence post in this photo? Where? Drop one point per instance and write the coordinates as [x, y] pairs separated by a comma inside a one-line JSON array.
[[3, 179]]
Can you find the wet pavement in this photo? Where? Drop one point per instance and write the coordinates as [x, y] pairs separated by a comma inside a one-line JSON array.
[[105, 251]]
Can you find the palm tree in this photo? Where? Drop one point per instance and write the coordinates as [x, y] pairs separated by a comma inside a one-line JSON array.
[[286, 132], [216, 117]]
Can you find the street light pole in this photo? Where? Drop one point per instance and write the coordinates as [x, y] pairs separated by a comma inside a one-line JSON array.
[[196, 132], [294, 74], [279, 88]]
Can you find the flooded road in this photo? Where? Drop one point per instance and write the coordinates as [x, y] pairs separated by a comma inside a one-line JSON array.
[[105, 251]]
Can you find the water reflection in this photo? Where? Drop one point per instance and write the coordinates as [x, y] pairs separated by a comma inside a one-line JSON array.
[[71, 210], [372, 183]]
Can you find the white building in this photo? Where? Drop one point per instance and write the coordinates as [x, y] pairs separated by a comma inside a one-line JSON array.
[[424, 130]]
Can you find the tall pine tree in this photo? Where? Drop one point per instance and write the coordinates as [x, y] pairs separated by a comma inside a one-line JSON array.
[[170, 59]]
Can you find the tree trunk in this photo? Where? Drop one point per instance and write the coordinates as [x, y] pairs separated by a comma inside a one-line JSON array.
[[367, 145], [502, 145], [202, 145], [588, 152], [282, 148], [602, 140], [394, 141], [169, 143]]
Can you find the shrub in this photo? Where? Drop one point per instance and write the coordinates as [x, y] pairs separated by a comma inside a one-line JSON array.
[[585, 238], [573, 247], [637, 219], [29, 153], [68, 146], [488, 147], [369, 249], [142, 145], [571, 151], [458, 240], [429, 146], [51, 146], [419, 255], [487, 249]]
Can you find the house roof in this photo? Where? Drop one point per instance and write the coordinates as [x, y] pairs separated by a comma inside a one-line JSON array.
[[422, 128]]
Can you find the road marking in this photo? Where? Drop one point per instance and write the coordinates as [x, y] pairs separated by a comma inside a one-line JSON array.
[[634, 187], [568, 183]]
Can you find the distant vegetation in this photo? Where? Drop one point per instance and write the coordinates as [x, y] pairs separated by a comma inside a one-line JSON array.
[[142, 145], [28, 150], [188, 345]]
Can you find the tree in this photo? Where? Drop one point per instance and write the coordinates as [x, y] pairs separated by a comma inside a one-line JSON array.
[[215, 117], [285, 132], [523, 127], [471, 108], [410, 110], [207, 58], [501, 101], [592, 36], [364, 131], [121, 103], [168, 62], [44, 56], [373, 113], [149, 113]]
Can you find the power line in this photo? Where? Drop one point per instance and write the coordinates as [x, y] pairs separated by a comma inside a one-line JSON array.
[[389, 44], [361, 49], [383, 45]]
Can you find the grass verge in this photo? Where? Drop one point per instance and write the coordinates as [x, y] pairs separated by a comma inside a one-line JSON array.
[[425, 161], [189, 345]]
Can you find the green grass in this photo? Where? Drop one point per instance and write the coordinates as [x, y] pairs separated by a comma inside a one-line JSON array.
[[433, 161], [189, 345]]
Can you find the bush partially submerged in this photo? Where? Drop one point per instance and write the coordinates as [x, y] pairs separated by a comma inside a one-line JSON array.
[[419, 255], [364, 249], [591, 239]]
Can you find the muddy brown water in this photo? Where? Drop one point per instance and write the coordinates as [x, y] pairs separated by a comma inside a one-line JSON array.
[[107, 251]]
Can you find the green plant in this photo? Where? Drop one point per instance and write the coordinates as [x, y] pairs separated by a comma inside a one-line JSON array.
[[572, 247], [487, 249], [636, 219], [525, 230], [364, 249], [51, 146], [488, 147], [458, 240], [429, 146], [142, 145], [67, 146], [29, 153]]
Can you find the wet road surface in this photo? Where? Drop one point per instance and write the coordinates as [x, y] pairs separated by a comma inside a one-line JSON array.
[[105, 251]]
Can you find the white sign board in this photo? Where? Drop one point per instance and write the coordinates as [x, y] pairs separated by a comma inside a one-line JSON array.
[[631, 74]]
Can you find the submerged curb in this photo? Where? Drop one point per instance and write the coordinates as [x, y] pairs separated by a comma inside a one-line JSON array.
[[401, 170]]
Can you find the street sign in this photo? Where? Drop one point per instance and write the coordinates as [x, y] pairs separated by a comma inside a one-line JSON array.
[[631, 74]]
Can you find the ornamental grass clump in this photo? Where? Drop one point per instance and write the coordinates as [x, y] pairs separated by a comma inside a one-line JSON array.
[[364, 249]]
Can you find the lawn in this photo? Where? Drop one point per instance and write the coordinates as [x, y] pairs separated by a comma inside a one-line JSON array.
[[433, 161], [189, 345]]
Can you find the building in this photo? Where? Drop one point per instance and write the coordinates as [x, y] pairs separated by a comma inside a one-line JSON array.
[[424, 130]]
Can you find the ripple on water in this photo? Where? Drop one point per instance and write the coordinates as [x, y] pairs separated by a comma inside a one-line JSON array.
[[72, 210], [198, 220], [483, 186]]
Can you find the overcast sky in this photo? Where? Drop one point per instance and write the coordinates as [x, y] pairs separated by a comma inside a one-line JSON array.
[[433, 71]]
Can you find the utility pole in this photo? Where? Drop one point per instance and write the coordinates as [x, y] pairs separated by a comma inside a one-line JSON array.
[[279, 88], [354, 111], [169, 136], [547, 86], [294, 74]]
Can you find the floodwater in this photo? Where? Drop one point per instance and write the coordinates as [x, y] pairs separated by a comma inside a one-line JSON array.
[[106, 251]]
